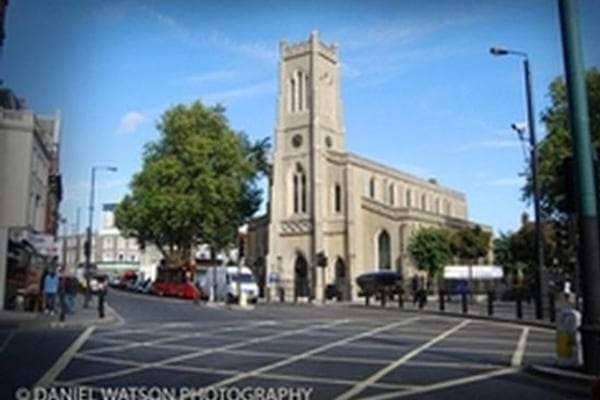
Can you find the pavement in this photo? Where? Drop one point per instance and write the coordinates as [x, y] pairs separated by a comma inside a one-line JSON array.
[[82, 317]]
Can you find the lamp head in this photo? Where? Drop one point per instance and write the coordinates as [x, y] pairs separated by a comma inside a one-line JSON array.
[[498, 51]]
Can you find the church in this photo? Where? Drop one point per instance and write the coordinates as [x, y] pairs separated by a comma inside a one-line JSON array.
[[324, 200]]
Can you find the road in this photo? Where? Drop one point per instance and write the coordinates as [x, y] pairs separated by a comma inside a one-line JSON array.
[[329, 352]]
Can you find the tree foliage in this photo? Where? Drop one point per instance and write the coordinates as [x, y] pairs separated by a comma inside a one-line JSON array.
[[470, 243], [555, 148], [430, 250], [198, 183]]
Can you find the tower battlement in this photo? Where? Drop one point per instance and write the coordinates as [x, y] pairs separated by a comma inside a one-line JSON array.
[[289, 50]]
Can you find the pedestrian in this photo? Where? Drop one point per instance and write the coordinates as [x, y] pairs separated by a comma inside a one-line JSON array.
[[50, 291], [414, 286], [567, 290], [70, 293]]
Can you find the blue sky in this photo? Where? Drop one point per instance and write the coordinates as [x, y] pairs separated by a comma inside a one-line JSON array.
[[420, 90]]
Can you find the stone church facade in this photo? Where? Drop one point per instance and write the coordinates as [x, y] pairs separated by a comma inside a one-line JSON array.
[[360, 213]]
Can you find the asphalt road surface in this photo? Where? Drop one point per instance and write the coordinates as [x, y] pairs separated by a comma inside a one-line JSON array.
[[301, 352]]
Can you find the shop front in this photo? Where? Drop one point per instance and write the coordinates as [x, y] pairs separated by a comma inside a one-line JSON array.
[[27, 260]]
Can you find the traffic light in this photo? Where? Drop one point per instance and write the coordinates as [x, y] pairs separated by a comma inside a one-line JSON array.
[[87, 249]]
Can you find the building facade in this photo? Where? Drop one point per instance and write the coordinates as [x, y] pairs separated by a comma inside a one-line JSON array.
[[359, 212], [31, 191]]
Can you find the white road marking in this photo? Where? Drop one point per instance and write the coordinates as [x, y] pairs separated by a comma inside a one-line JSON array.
[[60, 364], [132, 344], [297, 357], [384, 371], [234, 372], [443, 385], [517, 357], [7, 340], [162, 363]]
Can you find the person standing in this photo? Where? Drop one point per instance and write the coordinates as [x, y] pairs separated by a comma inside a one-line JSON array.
[[567, 290], [50, 290]]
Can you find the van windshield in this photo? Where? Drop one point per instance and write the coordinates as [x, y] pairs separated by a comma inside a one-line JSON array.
[[242, 278]]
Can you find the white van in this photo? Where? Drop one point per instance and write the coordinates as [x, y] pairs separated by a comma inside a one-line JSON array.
[[228, 279]]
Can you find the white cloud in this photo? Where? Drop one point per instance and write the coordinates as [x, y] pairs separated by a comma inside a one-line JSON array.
[[515, 181], [253, 50], [211, 76], [240, 93], [130, 122], [489, 144]]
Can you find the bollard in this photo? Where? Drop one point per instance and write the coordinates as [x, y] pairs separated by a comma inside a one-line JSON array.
[[552, 306], [442, 300], [367, 300], [400, 299], [465, 307], [383, 297], [519, 305], [101, 304], [490, 303]]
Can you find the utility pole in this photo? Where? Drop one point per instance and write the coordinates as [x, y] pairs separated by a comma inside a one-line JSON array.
[[589, 249]]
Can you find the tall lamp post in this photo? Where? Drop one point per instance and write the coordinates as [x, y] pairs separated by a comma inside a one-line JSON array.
[[78, 236], [88, 240], [541, 284]]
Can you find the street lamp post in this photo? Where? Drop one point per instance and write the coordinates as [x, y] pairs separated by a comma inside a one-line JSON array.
[[78, 237], [541, 275], [88, 241]]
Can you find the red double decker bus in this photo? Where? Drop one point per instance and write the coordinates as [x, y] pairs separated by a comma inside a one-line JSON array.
[[176, 282]]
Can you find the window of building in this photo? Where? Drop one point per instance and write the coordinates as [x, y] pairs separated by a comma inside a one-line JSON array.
[[408, 198], [372, 188], [437, 206], [338, 198], [299, 192], [133, 257], [300, 91], [384, 253], [107, 243], [293, 94], [391, 194], [423, 202], [121, 257]]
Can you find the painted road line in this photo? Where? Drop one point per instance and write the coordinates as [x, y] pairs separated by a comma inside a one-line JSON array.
[[60, 364], [234, 372], [159, 364], [517, 357], [402, 360], [443, 385], [162, 340], [301, 356], [7, 340]]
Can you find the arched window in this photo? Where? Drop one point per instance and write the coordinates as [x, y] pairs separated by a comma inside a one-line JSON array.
[[292, 94], [338, 198], [372, 188], [299, 193], [423, 202], [391, 194], [408, 198], [300, 91], [383, 247]]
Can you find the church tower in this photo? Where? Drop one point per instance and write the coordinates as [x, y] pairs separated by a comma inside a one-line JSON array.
[[309, 125]]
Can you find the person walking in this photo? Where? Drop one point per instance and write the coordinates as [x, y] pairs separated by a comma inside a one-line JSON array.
[[50, 291], [71, 293]]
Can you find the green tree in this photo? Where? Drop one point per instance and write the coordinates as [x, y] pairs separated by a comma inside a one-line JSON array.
[[555, 148], [198, 183], [470, 243], [503, 254], [430, 251]]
